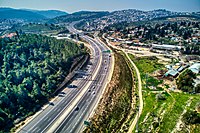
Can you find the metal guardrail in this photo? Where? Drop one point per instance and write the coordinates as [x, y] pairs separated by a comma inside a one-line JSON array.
[[71, 75]]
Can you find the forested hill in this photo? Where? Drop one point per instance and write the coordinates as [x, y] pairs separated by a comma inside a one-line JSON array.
[[77, 16], [32, 66], [29, 14]]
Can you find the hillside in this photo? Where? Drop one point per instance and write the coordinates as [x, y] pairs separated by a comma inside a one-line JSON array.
[[78, 16], [128, 16], [179, 30], [32, 67], [9, 13], [38, 28], [28, 14], [49, 13]]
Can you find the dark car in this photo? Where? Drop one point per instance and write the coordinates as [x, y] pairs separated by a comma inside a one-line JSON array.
[[50, 103], [77, 108]]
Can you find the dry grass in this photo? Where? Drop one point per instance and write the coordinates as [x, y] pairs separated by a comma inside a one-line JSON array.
[[115, 105]]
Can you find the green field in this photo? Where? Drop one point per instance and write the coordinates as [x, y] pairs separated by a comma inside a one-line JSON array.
[[161, 115], [146, 66]]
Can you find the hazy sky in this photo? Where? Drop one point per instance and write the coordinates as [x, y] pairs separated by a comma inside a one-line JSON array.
[[110, 5]]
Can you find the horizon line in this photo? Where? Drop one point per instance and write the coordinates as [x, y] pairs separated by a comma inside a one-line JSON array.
[[96, 10]]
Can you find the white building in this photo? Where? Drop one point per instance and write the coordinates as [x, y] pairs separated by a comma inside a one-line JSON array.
[[166, 47], [195, 68]]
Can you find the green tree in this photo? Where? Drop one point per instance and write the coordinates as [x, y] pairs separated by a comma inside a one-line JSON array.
[[191, 117], [36, 92], [28, 83], [185, 81], [31, 69], [197, 88]]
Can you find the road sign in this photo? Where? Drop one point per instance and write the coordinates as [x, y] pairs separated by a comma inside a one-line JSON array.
[[107, 51], [87, 123]]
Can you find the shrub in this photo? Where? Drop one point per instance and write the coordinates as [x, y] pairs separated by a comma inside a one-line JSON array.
[[160, 97], [191, 117]]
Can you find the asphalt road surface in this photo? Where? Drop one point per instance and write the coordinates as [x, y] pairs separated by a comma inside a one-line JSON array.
[[74, 122]]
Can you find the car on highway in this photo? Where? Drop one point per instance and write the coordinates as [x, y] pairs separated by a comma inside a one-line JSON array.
[[51, 103], [77, 108], [84, 77], [72, 86]]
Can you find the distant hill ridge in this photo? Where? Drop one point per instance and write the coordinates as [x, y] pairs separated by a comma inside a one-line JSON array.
[[56, 16], [28, 14], [127, 13], [76, 16], [49, 13]]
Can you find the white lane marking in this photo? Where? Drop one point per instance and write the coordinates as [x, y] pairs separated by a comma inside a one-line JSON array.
[[47, 113], [34, 129], [54, 108], [95, 76], [74, 98], [46, 118], [82, 113]]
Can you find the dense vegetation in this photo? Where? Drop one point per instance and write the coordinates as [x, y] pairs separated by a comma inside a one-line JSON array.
[[191, 117], [149, 32], [32, 66], [77, 16], [185, 82], [160, 21], [37, 28], [174, 32]]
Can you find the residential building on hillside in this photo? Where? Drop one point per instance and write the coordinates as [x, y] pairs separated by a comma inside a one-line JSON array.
[[195, 68]]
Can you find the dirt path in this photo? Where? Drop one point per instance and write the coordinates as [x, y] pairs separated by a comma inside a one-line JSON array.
[[139, 87], [140, 96], [179, 123]]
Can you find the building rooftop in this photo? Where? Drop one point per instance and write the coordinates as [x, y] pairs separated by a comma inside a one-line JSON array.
[[171, 72], [180, 69], [166, 46], [195, 68]]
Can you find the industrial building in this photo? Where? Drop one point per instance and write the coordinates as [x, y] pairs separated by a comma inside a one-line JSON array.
[[166, 47]]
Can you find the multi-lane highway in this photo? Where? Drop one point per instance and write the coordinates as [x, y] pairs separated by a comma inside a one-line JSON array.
[[73, 123], [73, 106]]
